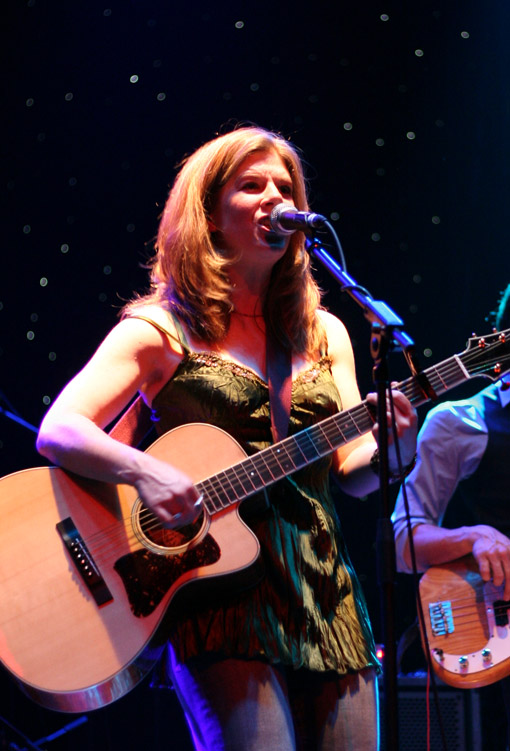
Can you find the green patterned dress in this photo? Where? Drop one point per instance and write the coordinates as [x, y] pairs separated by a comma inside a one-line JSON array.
[[308, 609]]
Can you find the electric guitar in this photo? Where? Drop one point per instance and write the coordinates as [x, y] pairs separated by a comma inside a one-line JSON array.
[[466, 623], [87, 573]]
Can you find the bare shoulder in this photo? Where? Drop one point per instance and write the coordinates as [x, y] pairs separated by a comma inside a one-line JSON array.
[[339, 342], [134, 356], [148, 327]]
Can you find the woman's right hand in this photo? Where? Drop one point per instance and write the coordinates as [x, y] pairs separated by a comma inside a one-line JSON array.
[[168, 493]]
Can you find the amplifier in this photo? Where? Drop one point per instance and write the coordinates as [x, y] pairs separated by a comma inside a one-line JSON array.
[[459, 708]]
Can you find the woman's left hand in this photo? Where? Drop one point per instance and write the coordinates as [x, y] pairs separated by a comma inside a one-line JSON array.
[[406, 424]]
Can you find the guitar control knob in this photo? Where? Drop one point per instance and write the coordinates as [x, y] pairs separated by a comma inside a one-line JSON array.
[[463, 662], [486, 656]]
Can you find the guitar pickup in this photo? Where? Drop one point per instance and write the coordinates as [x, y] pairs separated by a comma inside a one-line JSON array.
[[84, 562], [441, 618], [501, 608]]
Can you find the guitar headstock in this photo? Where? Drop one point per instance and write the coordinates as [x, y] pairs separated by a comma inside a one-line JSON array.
[[488, 355]]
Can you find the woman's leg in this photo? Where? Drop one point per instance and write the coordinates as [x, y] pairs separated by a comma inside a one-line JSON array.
[[234, 705], [333, 712]]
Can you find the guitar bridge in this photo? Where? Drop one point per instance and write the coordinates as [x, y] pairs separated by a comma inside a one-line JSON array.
[[441, 618], [83, 561]]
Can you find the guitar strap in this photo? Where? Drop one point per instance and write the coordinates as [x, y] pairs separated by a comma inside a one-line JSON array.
[[135, 423], [279, 381]]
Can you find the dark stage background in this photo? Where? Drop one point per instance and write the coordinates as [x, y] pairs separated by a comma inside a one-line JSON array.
[[402, 112]]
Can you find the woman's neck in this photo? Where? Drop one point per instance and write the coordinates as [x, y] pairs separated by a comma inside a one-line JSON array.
[[248, 296]]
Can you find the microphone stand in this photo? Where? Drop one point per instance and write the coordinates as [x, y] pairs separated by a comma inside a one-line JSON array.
[[387, 332]]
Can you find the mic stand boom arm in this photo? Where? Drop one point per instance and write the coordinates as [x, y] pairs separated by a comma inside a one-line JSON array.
[[375, 311]]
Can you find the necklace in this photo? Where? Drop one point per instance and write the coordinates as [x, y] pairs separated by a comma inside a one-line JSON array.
[[248, 315]]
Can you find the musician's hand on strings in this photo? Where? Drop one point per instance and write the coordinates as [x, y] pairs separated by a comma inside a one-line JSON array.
[[491, 550], [168, 493]]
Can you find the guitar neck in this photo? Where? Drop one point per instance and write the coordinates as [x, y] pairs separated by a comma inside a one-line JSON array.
[[266, 467]]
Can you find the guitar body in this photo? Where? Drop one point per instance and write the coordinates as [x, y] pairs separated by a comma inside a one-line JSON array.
[[76, 647], [466, 623]]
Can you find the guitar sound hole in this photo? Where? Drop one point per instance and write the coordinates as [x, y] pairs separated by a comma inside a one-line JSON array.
[[162, 539]]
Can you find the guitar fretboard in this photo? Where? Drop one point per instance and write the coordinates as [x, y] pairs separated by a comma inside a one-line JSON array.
[[266, 467]]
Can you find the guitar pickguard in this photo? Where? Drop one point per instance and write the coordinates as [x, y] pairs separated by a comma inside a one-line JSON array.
[[147, 577]]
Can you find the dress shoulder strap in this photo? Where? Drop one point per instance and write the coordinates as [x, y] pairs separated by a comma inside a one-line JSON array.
[[135, 424], [181, 336]]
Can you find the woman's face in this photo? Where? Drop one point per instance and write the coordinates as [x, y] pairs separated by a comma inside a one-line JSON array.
[[244, 204]]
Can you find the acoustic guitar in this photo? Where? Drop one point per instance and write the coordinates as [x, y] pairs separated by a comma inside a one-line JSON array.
[[87, 573]]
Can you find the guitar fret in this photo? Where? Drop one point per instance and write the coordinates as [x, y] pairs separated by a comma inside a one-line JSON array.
[[262, 464], [309, 451], [437, 377], [282, 457], [246, 479], [296, 456], [232, 494], [319, 438], [207, 489]]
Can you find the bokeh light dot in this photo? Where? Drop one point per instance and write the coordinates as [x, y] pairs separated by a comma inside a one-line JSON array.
[[239, 24], [46, 400], [134, 79], [410, 135], [347, 126], [43, 281], [30, 335]]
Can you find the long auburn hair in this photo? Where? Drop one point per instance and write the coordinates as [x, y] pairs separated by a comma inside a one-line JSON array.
[[189, 276]]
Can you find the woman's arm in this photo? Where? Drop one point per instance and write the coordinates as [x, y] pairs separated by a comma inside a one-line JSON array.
[[133, 357]]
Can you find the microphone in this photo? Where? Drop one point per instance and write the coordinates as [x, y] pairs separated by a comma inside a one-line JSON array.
[[286, 219]]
